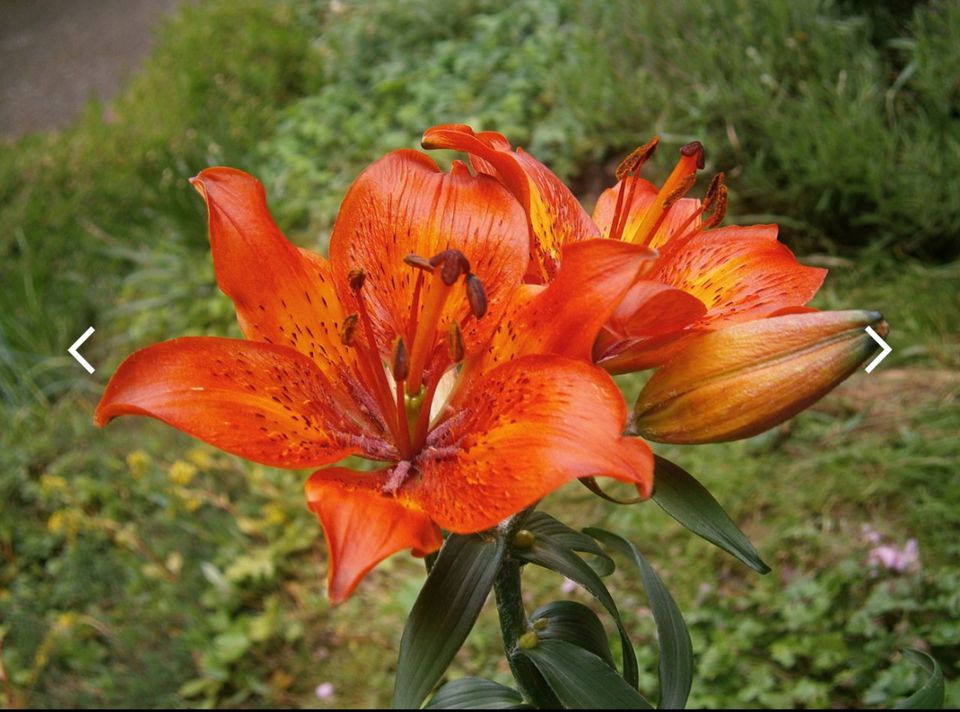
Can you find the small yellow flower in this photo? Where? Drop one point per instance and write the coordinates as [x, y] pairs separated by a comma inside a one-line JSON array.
[[138, 461], [52, 484], [200, 457], [182, 472]]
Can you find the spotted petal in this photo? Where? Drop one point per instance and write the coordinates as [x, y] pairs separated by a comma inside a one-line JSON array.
[[267, 403], [527, 427], [405, 204], [283, 295]]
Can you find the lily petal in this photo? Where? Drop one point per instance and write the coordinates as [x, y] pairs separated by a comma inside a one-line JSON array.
[[363, 526], [267, 403], [403, 204], [739, 273], [283, 295], [529, 426], [565, 317], [555, 215]]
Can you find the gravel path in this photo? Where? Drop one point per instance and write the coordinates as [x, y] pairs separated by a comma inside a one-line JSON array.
[[57, 54]]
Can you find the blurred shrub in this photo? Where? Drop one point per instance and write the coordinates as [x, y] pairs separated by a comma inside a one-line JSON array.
[[841, 123]]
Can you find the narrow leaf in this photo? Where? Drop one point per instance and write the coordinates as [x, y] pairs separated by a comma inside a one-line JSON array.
[[580, 679], [575, 623], [444, 613], [680, 495], [474, 693], [676, 650], [552, 555], [930, 696], [544, 525]]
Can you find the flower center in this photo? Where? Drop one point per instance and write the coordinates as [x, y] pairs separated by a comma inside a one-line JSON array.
[[405, 388], [676, 186]]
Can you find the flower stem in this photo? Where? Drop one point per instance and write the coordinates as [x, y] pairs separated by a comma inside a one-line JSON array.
[[513, 621]]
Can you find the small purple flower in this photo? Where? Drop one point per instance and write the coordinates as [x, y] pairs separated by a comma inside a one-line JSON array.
[[324, 691], [896, 559], [568, 586]]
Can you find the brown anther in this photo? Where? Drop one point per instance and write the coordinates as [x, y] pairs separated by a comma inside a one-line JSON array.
[[455, 347], [476, 295], [452, 264], [632, 164], [716, 185], [686, 183], [355, 278], [419, 262], [348, 330], [695, 148], [401, 361], [719, 210]]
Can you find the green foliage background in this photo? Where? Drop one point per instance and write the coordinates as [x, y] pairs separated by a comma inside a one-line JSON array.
[[139, 568]]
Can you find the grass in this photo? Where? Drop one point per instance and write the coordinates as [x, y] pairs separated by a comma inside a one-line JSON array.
[[140, 567]]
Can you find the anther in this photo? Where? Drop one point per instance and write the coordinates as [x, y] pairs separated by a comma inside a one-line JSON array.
[[452, 264], [695, 148], [455, 347], [348, 330], [720, 206], [401, 361], [476, 295], [632, 164], [419, 262], [355, 278], [716, 185]]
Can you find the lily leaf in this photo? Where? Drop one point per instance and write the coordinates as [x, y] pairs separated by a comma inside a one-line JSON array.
[[544, 525], [580, 679], [552, 554], [575, 623], [930, 696], [676, 650], [444, 613], [474, 693], [680, 495]]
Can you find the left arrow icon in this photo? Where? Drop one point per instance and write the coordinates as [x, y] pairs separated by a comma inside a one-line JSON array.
[[76, 345]]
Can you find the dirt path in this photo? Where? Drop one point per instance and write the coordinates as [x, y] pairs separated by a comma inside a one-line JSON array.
[[57, 54]]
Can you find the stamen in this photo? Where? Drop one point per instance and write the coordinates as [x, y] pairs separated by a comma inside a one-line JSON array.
[[455, 348], [348, 330], [401, 362], [632, 164], [355, 278], [476, 295], [681, 179], [720, 198], [452, 264], [418, 262]]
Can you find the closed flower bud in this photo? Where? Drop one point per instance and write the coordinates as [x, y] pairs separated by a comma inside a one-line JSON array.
[[747, 378]]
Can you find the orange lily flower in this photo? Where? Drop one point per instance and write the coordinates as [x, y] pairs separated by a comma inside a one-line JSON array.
[[705, 278], [398, 349]]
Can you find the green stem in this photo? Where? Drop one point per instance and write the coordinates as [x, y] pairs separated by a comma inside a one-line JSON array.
[[513, 621]]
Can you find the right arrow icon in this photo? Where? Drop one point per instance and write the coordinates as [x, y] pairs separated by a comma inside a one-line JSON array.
[[883, 345]]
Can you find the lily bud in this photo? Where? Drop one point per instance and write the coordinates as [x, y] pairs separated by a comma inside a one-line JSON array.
[[747, 378]]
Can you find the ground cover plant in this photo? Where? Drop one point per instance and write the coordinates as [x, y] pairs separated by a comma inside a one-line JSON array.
[[221, 559]]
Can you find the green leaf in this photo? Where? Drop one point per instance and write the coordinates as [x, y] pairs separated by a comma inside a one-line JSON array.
[[580, 679], [474, 693], [676, 651], [444, 613], [930, 696], [552, 554], [544, 525], [575, 623], [680, 495]]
